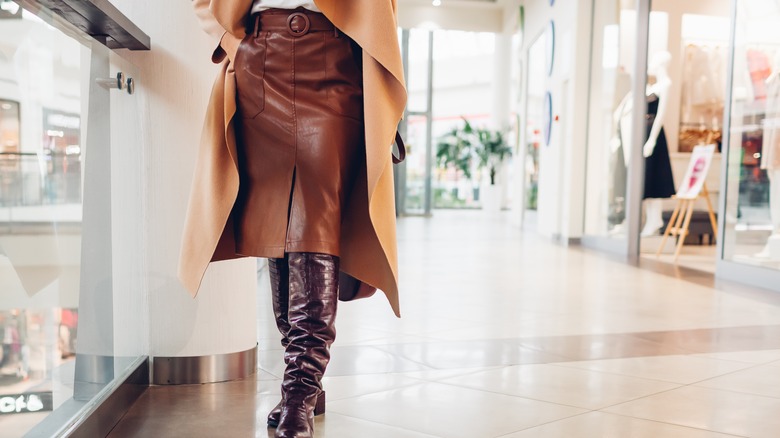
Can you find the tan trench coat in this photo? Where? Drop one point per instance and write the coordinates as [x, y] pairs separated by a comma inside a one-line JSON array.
[[368, 237]]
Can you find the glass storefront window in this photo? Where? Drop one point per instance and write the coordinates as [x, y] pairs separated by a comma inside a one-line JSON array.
[[416, 138], [752, 228], [609, 144], [40, 217], [534, 119], [456, 88], [462, 77], [71, 224], [417, 133]]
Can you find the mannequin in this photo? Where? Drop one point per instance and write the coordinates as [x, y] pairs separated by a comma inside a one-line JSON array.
[[659, 183], [770, 160], [618, 166]]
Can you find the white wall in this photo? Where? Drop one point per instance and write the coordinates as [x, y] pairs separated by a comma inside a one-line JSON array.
[[468, 16], [562, 171], [175, 80]]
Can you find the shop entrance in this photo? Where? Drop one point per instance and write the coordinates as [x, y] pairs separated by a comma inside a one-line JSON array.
[[648, 114], [687, 69]]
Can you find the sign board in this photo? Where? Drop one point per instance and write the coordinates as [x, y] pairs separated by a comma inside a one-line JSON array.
[[698, 167], [26, 403]]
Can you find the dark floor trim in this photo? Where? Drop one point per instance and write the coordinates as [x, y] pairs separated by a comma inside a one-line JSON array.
[[107, 413]]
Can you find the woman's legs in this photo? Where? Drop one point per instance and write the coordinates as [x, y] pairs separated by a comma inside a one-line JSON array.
[[313, 298]]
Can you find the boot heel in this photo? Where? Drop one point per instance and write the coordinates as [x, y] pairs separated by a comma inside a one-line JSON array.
[[319, 407]]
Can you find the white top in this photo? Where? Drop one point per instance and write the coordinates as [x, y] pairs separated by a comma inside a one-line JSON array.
[[261, 5]]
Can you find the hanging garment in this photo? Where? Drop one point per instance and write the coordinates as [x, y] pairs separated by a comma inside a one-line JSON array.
[[659, 182], [770, 152]]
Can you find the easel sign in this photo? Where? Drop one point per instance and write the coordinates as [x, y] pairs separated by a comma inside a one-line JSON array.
[[693, 182], [692, 188]]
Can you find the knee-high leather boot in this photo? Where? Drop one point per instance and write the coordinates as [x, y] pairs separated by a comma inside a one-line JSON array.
[[280, 296], [311, 314], [280, 293]]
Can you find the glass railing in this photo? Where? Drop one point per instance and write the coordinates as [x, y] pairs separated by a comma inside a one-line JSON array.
[[35, 179], [71, 223]]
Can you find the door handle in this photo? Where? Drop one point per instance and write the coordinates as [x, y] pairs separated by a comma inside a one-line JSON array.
[[120, 82]]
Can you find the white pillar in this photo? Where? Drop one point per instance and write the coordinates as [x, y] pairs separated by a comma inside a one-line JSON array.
[[502, 84], [175, 81]]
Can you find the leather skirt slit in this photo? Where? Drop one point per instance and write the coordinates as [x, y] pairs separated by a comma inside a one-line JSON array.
[[299, 132]]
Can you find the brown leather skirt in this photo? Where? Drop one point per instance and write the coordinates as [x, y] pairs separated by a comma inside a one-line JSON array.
[[299, 131]]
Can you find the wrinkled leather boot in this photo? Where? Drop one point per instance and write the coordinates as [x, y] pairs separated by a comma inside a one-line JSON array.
[[280, 296], [311, 314]]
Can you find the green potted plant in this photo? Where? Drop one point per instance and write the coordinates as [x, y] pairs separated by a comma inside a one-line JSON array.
[[466, 148], [493, 150]]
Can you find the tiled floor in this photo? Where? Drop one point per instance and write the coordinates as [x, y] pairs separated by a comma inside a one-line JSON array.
[[505, 334]]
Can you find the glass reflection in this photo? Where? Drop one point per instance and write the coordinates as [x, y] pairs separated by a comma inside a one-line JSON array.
[[614, 42], [534, 120], [41, 155], [753, 192], [417, 125], [462, 76]]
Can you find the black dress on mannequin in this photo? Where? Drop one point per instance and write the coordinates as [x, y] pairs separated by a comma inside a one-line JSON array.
[[659, 182]]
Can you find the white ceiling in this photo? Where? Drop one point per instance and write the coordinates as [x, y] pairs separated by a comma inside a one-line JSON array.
[[458, 3], [468, 15]]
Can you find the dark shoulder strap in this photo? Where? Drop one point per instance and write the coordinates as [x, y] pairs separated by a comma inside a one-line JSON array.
[[401, 148]]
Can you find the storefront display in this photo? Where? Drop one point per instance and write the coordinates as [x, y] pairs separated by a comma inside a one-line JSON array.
[[611, 109], [686, 53], [703, 94], [536, 131], [752, 232], [659, 180]]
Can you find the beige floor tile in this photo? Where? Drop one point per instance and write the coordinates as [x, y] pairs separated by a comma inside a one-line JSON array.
[[395, 338], [451, 411], [264, 375], [352, 334], [434, 375], [474, 353], [601, 346], [676, 369], [333, 425], [759, 380], [754, 357], [475, 305], [562, 385], [246, 386], [703, 408], [170, 413], [603, 425], [349, 361], [341, 387]]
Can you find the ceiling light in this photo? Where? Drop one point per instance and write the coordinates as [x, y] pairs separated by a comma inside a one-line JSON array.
[[437, 2]]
